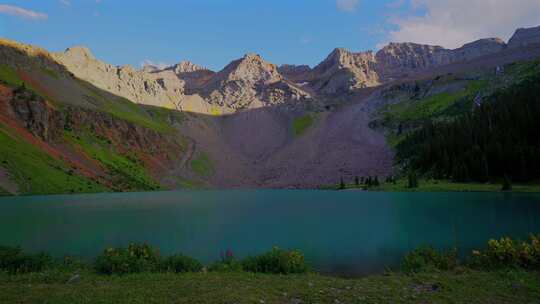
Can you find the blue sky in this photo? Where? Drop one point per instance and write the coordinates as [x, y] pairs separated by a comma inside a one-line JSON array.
[[214, 32]]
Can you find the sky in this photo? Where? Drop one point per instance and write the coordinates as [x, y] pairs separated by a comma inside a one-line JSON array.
[[214, 32]]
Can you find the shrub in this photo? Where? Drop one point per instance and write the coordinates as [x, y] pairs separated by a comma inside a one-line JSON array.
[[276, 261], [227, 263], [508, 253], [428, 258], [412, 180], [181, 263], [507, 184], [14, 260], [135, 258]]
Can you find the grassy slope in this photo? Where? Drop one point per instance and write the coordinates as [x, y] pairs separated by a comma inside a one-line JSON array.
[[438, 106], [301, 124], [202, 165], [38, 173], [9, 76], [463, 286], [129, 111], [434, 105], [130, 173], [128, 169]]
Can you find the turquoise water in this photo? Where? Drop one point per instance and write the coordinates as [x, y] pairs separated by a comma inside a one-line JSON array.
[[343, 232]]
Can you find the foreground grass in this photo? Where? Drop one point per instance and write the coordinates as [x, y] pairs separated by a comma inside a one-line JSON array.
[[460, 286]]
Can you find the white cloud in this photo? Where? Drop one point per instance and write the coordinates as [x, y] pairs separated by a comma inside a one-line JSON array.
[[347, 5], [65, 2], [451, 23], [21, 12], [159, 65]]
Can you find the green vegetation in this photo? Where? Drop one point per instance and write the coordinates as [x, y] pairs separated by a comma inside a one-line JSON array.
[[520, 71], [507, 252], [498, 139], [14, 261], [35, 172], [127, 170], [3, 192], [433, 185], [433, 105], [505, 272], [50, 72], [276, 261], [9, 76], [202, 165], [301, 124], [429, 259], [180, 263], [459, 286], [149, 117], [133, 259], [411, 114]]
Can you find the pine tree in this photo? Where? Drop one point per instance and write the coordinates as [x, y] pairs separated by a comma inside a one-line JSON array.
[[356, 181], [341, 184], [507, 184], [413, 181]]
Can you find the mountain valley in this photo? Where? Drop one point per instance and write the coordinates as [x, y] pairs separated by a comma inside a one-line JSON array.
[[72, 123]]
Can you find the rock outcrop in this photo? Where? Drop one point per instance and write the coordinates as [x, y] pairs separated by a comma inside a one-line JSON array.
[[250, 82], [524, 37], [37, 116], [161, 89], [400, 59], [296, 73], [194, 76], [343, 71], [477, 49]]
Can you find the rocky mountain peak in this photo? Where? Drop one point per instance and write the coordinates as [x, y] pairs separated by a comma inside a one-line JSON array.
[[79, 53], [524, 37], [343, 71], [250, 82], [149, 68], [187, 67], [251, 68], [477, 48]]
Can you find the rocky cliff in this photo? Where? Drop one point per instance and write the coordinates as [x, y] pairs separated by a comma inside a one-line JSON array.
[[525, 37], [343, 71], [162, 89], [250, 82]]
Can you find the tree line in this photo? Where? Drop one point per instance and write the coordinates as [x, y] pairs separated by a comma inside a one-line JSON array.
[[499, 139]]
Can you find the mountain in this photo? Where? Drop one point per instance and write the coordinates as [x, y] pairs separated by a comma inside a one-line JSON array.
[[524, 37], [163, 89], [70, 122]]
